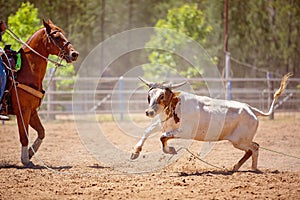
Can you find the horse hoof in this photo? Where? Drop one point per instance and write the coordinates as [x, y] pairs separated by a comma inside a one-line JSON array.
[[29, 165], [134, 155]]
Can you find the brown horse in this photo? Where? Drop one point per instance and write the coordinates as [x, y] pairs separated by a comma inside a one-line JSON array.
[[28, 93]]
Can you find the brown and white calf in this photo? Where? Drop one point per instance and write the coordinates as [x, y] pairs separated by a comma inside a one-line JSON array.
[[188, 116]]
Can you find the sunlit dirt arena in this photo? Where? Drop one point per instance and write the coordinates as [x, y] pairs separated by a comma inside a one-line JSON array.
[[74, 173]]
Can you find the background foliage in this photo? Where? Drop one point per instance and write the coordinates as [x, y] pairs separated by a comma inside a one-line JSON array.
[[187, 20], [263, 33], [23, 23]]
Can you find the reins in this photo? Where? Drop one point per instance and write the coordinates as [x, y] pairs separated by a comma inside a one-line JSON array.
[[17, 38]]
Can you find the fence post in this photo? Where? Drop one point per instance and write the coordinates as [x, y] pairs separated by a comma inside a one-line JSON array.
[[271, 93], [121, 97], [227, 76], [51, 97]]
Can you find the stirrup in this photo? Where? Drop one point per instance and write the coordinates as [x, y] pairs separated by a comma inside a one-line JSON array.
[[4, 117], [3, 113]]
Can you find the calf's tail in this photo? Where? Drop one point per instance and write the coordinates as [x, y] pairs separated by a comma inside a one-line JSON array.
[[283, 84]]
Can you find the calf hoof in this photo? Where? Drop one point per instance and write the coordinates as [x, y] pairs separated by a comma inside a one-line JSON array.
[[170, 150], [256, 170], [134, 155], [236, 168]]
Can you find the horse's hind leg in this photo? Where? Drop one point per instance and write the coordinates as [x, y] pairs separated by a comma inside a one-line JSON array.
[[36, 124]]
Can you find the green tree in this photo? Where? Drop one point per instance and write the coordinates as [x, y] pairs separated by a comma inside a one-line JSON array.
[[261, 33], [180, 22], [23, 23]]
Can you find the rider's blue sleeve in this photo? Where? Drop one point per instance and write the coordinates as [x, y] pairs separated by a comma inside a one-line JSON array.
[[2, 79]]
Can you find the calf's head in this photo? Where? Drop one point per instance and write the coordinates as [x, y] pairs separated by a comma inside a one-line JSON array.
[[159, 96]]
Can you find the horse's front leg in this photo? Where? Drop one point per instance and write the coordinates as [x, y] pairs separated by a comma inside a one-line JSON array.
[[36, 124], [23, 122]]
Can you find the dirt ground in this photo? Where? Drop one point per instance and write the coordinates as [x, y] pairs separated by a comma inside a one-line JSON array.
[[74, 173]]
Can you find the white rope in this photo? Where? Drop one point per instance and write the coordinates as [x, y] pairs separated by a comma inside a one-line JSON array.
[[291, 156], [197, 157], [18, 102], [57, 64], [23, 122]]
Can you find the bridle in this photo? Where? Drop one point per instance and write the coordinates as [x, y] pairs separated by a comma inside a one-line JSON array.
[[62, 52]]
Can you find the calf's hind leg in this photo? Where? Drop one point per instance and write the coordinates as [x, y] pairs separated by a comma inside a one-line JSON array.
[[36, 124], [255, 148], [251, 150]]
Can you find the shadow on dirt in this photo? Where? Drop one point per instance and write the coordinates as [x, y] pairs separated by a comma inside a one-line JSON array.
[[32, 166], [96, 166], [211, 173]]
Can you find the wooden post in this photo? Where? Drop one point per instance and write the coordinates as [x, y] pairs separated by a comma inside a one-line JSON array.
[[226, 26]]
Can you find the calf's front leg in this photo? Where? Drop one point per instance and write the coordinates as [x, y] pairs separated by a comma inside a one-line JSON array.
[[138, 147], [186, 133], [164, 139]]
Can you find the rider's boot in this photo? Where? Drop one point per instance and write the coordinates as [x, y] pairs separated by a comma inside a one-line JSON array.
[[3, 115]]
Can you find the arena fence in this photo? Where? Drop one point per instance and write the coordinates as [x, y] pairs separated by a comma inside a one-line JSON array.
[[113, 91]]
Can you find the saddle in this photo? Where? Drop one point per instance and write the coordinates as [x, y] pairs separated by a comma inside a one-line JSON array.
[[14, 58]]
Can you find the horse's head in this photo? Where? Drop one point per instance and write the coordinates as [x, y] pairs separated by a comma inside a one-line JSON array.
[[58, 44]]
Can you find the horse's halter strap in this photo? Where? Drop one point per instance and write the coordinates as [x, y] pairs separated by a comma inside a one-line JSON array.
[[61, 48]]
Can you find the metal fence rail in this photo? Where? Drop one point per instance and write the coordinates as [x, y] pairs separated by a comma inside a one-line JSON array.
[[108, 94]]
